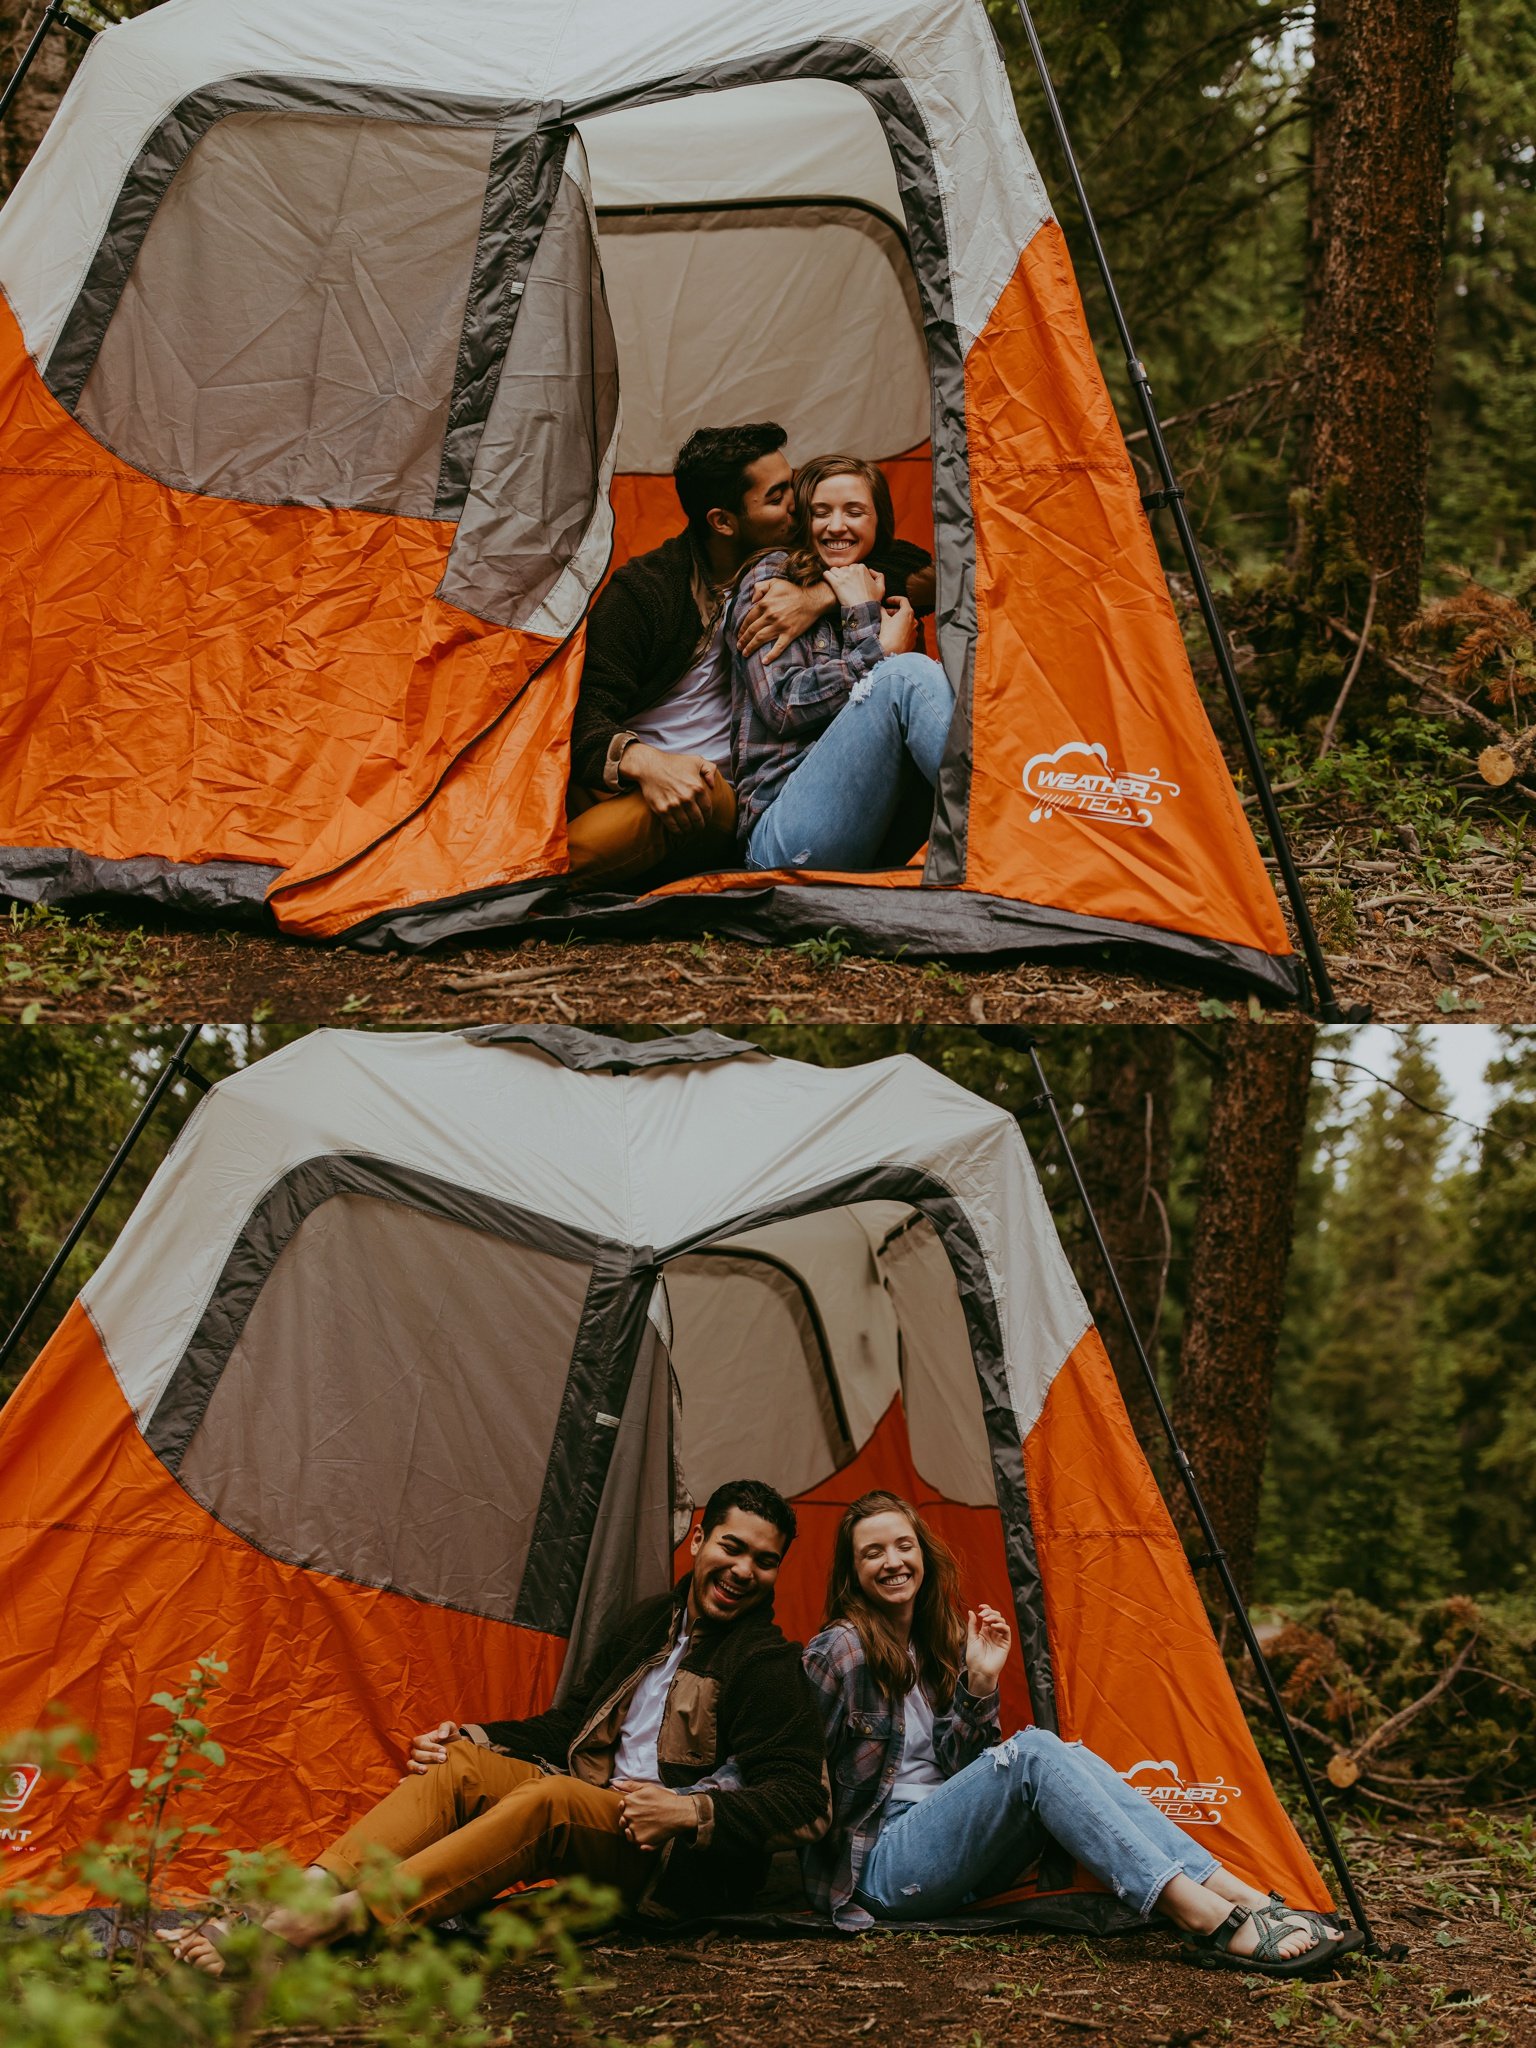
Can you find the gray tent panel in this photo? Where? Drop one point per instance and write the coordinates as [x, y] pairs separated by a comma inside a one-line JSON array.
[[389, 1410], [289, 330], [537, 478]]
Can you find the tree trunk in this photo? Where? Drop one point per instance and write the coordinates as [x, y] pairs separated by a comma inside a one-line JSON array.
[[1242, 1248], [1381, 130], [33, 107], [1124, 1152]]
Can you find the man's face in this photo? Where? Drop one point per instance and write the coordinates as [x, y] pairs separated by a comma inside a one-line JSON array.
[[734, 1566], [767, 507]]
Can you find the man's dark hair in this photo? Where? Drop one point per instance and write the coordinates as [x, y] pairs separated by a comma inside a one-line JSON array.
[[712, 467], [753, 1497]]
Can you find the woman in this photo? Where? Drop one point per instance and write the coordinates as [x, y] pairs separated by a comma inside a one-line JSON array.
[[931, 1810], [822, 733]]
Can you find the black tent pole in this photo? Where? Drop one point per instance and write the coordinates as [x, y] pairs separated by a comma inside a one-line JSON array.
[[1172, 496], [1018, 1040], [55, 11], [175, 1069]]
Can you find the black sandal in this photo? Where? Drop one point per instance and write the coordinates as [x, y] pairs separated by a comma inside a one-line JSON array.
[[1213, 1951]]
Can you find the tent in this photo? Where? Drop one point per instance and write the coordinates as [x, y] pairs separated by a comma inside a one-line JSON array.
[[409, 1363], [342, 353]]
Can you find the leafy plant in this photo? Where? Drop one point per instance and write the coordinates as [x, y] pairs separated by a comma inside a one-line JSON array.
[[46, 957], [826, 949], [89, 1984]]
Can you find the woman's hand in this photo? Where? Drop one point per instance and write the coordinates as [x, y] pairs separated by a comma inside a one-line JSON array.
[[855, 583], [429, 1749], [988, 1639], [898, 627]]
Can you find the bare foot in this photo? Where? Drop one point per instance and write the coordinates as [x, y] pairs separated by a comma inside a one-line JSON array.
[[1296, 1943], [1226, 1886], [1201, 1909]]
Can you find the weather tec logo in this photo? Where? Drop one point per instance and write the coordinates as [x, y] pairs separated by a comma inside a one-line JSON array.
[[1078, 781], [1191, 1806], [16, 1787]]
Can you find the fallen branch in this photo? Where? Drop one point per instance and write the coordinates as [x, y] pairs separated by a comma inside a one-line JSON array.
[[1354, 669], [1394, 1725]]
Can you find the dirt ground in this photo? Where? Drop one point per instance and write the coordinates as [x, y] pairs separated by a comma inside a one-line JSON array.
[[1460, 1927], [1411, 937]]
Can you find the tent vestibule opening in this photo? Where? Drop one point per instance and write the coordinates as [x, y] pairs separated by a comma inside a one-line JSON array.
[[341, 363], [419, 1355]]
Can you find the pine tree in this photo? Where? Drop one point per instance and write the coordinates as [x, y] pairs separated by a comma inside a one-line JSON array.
[[1490, 1302], [1363, 1482]]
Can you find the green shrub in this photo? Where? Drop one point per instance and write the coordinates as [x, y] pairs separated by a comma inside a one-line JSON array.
[[107, 1980]]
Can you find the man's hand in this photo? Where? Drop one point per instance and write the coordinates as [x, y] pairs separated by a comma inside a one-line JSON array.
[[429, 1749], [780, 613], [898, 627], [678, 788], [651, 1815], [922, 588], [856, 583], [988, 1639]]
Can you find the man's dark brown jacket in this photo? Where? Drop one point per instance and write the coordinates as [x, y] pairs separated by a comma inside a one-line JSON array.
[[739, 1693]]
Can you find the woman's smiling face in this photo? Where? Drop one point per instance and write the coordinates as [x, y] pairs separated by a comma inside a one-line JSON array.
[[888, 1561], [842, 516]]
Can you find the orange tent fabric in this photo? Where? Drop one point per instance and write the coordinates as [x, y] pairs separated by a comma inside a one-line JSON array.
[[337, 695]]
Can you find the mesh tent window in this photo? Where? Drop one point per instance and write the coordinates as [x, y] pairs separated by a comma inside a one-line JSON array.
[[289, 329]]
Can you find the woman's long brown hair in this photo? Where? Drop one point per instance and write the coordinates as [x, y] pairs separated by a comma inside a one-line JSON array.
[[804, 566], [937, 1648]]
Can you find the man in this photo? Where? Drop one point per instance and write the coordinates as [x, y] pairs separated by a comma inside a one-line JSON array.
[[599, 1786], [651, 739]]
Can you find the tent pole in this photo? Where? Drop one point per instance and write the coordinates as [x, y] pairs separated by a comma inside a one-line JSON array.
[[175, 1069], [1172, 496], [1019, 1040], [55, 11]]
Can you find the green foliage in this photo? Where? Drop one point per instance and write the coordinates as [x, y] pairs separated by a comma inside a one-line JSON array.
[[1489, 1299], [826, 949], [1402, 1456], [124, 1987], [1482, 485], [1359, 1490], [1346, 1667], [46, 957]]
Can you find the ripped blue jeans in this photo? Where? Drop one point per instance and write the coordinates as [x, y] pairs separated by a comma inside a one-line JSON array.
[[985, 1826], [836, 806]]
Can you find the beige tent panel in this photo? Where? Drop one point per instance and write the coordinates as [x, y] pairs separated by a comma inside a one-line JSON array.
[[807, 315]]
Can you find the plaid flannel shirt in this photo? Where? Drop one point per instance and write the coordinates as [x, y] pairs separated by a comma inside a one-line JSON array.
[[865, 1733], [779, 707]]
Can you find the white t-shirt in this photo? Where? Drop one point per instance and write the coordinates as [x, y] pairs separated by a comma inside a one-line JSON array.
[[918, 1773], [635, 1756], [694, 717]]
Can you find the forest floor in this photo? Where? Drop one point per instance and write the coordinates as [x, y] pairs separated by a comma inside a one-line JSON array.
[[1414, 934], [1459, 1929]]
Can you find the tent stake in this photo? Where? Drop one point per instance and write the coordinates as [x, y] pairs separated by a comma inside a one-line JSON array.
[[175, 1069], [55, 11], [1172, 496], [1018, 1040]]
